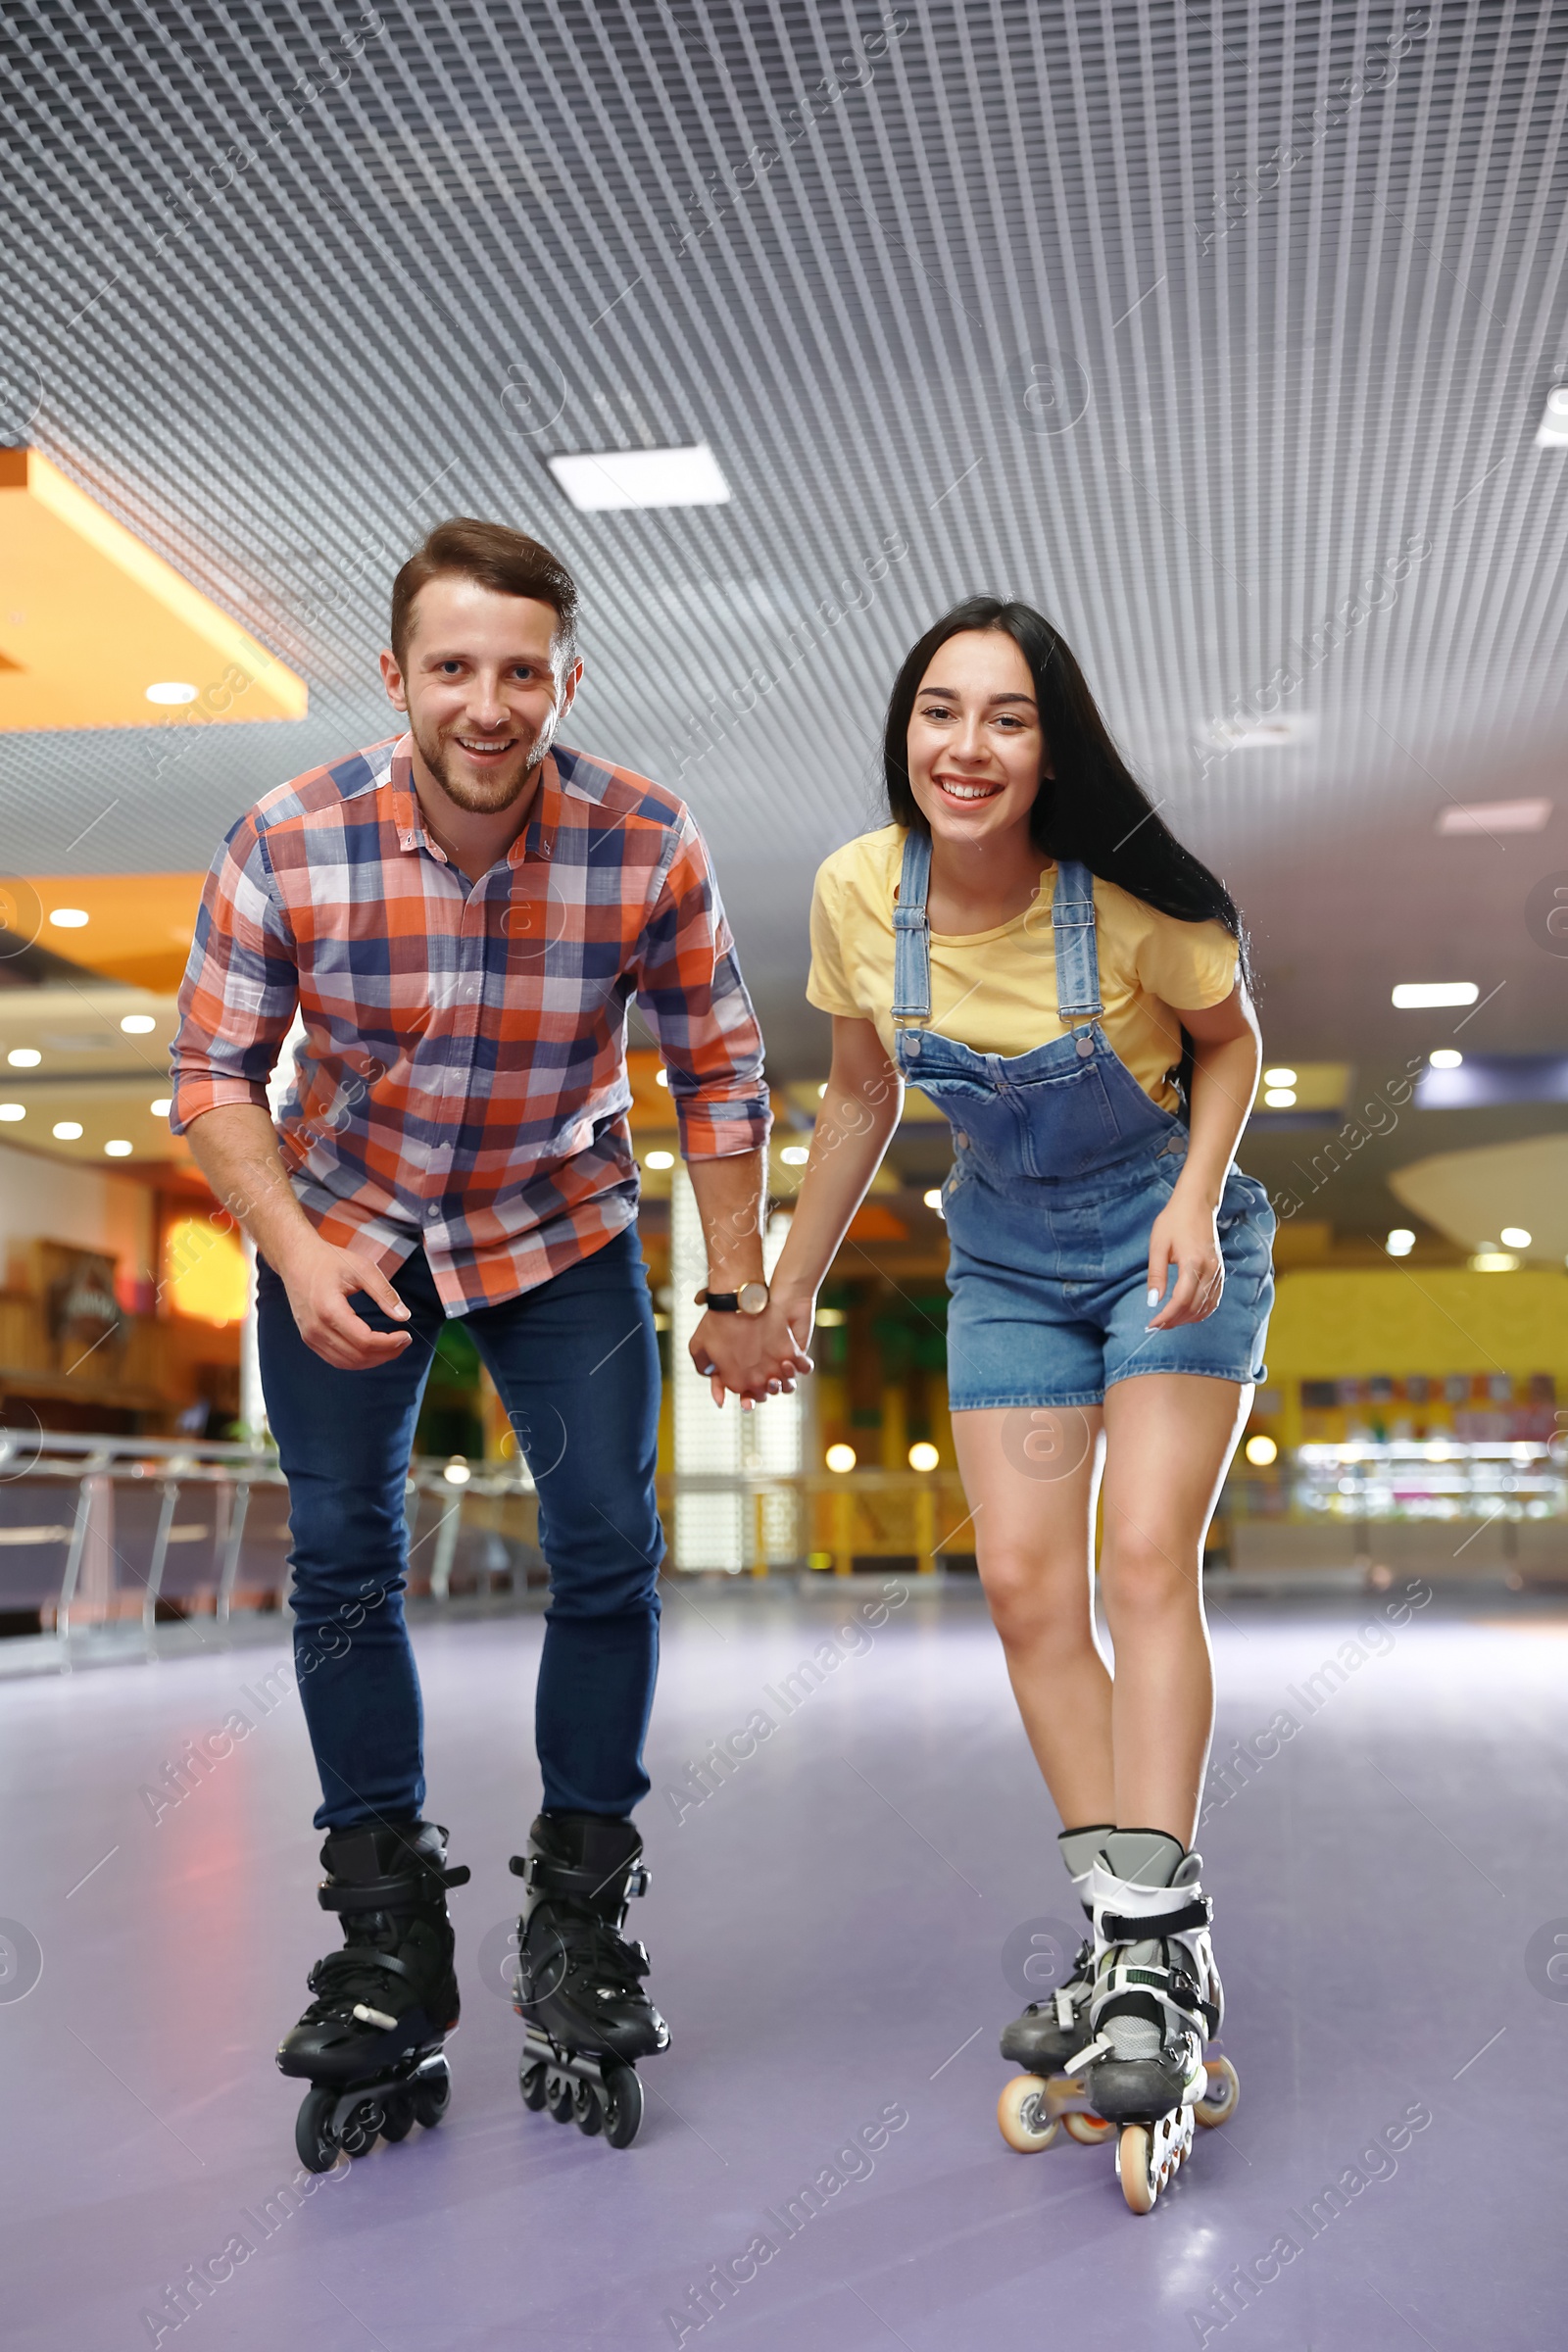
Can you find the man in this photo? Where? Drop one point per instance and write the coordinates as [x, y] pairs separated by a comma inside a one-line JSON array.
[[460, 915]]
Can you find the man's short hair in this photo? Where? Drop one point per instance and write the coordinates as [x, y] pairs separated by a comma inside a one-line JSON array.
[[505, 561]]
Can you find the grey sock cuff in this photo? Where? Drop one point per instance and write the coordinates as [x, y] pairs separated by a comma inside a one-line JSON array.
[[1147, 1857], [1080, 1848]]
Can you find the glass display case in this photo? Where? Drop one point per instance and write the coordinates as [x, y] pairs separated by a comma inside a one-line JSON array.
[[1441, 1478]]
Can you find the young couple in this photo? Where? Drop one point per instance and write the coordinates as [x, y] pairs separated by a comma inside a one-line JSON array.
[[459, 918]]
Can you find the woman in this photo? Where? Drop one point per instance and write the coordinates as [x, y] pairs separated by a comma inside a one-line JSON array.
[[1029, 944]]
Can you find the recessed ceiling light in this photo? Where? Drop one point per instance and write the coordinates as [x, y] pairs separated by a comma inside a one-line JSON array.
[[596, 480], [23, 1057], [1400, 1242], [10, 1112], [1419, 995], [1263, 734], [1493, 1261], [795, 1155], [1280, 1098], [1495, 816], [171, 690], [162, 1107], [1447, 1058], [1280, 1077], [661, 1078], [1514, 1237], [1553, 431], [118, 1148], [658, 1159], [69, 918], [139, 1024], [933, 1198], [66, 1131]]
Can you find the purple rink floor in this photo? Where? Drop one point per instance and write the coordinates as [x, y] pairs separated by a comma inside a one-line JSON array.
[[829, 1929]]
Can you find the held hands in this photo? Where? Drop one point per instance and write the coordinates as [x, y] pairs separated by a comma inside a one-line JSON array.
[[1183, 1236], [758, 1357], [319, 1280]]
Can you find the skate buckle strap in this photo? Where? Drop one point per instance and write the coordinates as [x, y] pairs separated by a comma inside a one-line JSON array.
[[1127, 1991], [1116, 1926], [419, 1883], [1097, 2048], [1063, 2001], [544, 1874]]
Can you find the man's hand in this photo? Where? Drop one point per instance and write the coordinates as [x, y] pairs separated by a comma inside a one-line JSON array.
[[320, 1279], [749, 1354]]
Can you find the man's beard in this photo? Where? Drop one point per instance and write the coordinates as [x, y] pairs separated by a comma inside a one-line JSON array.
[[480, 797]]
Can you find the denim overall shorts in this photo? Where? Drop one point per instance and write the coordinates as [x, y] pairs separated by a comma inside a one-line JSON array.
[[1062, 1164]]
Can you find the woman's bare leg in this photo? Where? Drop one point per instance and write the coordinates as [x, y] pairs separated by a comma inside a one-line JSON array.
[[1029, 1474], [1168, 1438]]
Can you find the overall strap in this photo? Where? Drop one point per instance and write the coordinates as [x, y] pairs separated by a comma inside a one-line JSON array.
[[1072, 918], [911, 934]]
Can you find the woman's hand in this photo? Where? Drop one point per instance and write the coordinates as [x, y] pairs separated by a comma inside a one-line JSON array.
[[753, 1356], [1183, 1236]]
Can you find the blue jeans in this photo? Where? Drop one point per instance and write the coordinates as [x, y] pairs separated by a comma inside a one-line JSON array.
[[576, 1365]]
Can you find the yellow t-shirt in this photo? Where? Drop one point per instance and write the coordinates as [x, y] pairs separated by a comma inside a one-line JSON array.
[[996, 991]]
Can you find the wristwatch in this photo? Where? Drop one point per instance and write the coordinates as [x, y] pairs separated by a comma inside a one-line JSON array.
[[750, 1299]]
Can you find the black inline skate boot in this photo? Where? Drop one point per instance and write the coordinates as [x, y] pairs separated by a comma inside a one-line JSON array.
[[369, 2044], [580, 1982], [1157, 2002]]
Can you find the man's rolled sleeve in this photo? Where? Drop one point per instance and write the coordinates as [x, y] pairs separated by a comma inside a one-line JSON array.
[[241, 984], [690, 989]]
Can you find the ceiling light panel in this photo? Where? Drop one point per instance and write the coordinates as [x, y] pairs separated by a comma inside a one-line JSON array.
[[1495, 816], [599, 480]]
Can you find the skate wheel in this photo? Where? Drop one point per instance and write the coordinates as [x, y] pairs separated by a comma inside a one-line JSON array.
[[1089, 2129], [432, 2095], [561, 2099], [624, 2102], [361, 2133], [1134, 2163], [587, 2113], [396, 2121], [531, 2081], [1023, 2117], [315, 2140], [1224, 2089]]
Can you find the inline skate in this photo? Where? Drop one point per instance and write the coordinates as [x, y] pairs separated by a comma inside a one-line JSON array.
[[1157, 2002], [579, 1983], [1034, 2106], [371, 2042]]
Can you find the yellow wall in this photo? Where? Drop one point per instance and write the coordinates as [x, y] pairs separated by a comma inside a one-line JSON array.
[[1329, 1324]]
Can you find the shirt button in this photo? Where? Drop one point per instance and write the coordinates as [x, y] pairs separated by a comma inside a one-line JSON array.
[[962, 1141]]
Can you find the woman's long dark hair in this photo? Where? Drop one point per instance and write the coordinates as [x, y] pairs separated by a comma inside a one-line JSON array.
[[1093, 809]]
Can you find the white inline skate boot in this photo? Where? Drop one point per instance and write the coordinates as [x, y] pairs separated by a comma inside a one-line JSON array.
[[1156, 2003]]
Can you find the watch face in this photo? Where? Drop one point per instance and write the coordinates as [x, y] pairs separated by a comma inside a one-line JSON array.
[[752, 1297]]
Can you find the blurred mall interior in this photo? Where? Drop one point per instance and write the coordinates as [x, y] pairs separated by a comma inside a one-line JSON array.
[[1235, 340]]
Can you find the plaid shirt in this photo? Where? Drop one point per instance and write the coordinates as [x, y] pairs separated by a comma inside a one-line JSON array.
[[461, 1083]]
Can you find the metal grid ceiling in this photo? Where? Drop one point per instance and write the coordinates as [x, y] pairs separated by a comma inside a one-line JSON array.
[[1192, 326]]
